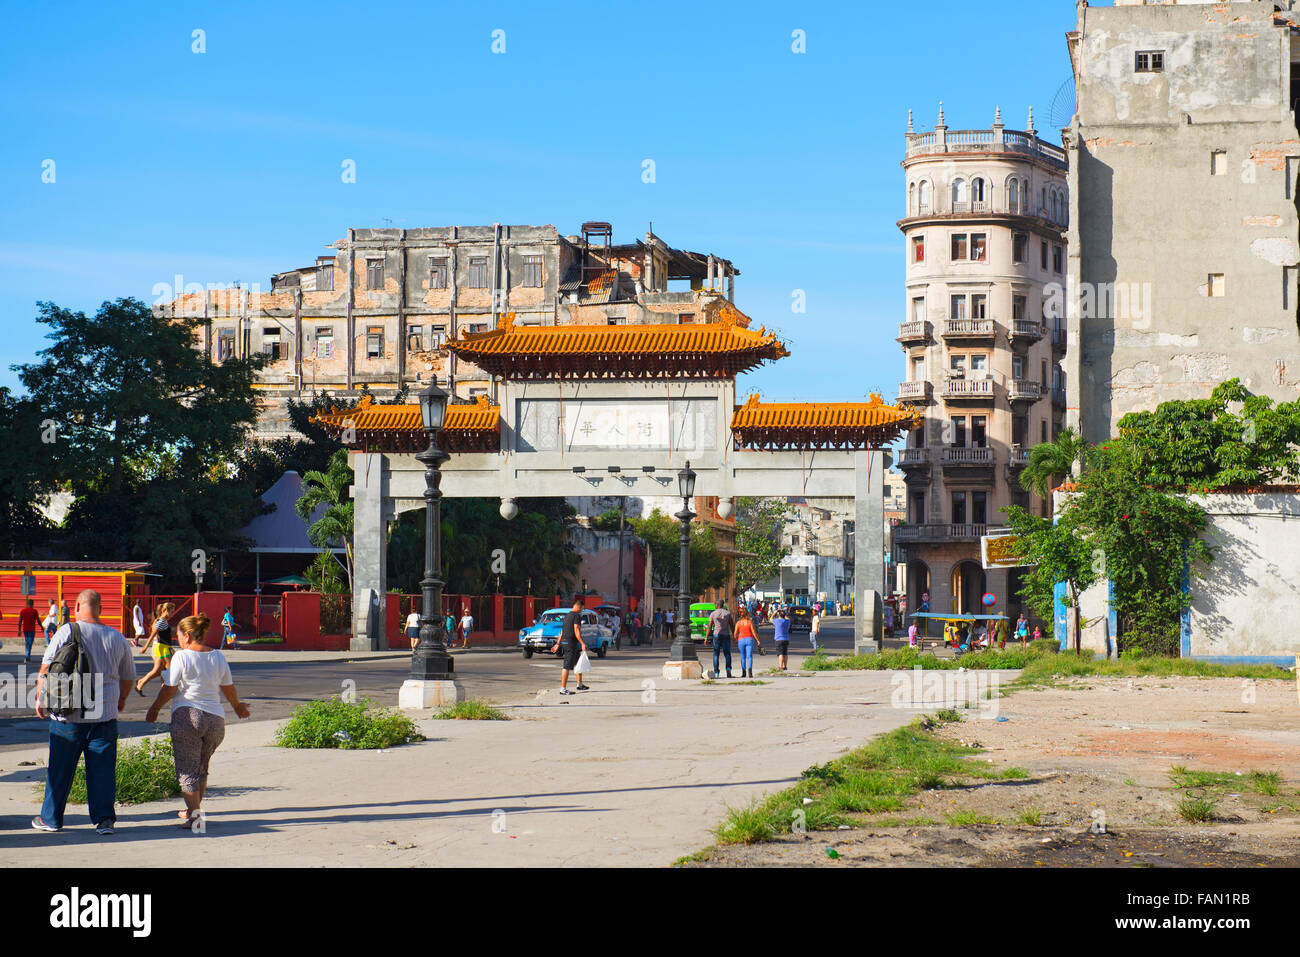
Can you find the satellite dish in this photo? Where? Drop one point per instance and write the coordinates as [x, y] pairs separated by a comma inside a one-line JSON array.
[[1061, 112]]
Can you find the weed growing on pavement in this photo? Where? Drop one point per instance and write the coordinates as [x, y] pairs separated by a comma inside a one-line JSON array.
[[146, 771], [1031, 816], [472, 709], [969, 819], [1198, 810], [948, 714], [338, 724], [875, 778]]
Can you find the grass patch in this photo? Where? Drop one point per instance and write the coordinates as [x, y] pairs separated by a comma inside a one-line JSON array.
[[472, 709], [146, 771], [746, 825], [1014, 774], [1197, 809], [948, 715], [1046, 668], [968, 819], [1265, 782], [339, 724], [699, 857], [1031, 816], [1261, 782], [874, 779], [905, 659], [731, 681]]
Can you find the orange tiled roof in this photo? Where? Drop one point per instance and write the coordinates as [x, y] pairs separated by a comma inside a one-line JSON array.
[[472, 427], [715, 349], [820, 424]]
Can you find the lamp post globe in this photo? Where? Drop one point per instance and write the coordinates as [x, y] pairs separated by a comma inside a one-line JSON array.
[[430, 660]]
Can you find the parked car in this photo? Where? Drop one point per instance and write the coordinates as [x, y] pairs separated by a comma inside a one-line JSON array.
[[700, 613], [801, 620], [543, 635], [614, 614]]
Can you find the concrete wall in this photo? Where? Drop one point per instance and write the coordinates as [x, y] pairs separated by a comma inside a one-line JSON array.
[[1154, 213], [1244, 607]]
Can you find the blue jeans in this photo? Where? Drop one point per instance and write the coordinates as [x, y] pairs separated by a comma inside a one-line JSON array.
[[722, 644], [746, 648], [28, 638], [67, 743], [812, 636]]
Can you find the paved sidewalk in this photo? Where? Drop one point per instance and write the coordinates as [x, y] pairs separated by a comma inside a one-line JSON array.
[[635, 772]]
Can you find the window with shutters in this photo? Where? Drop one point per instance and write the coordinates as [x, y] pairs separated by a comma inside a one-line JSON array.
[[532, 271], [374, 274], [478, 272], [437, 272], [374, 342]]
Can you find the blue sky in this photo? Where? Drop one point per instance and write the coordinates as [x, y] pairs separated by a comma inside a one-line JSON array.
[[226, 165]]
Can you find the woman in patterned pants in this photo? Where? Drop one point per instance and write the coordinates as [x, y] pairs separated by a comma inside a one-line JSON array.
[[199, 677]]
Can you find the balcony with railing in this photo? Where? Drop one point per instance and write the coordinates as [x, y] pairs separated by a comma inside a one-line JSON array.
[[968, 329], [953, 455], [1023, 390], [1026, 330], [917, 331], [941, 532], [1019, 458], [918, 391], [985, 141], [968, 389], [914, 458]]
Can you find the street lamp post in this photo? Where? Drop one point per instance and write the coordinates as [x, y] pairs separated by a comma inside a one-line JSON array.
[[431, 681], [683, 662]]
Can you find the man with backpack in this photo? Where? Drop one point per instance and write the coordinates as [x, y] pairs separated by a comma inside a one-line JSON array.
[[86, 674], [720, 625]]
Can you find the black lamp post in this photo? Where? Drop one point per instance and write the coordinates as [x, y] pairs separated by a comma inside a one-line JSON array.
[[430, 661], [683, 648]]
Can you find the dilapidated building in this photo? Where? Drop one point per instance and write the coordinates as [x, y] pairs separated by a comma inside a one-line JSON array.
[[1184, 268], [377, 311]]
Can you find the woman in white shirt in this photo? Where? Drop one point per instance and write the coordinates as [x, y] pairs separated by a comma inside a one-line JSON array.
[[200, 676], [413, 627]]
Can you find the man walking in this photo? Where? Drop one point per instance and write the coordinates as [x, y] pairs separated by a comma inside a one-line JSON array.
[[670, 621], [571, 641], [90, 730], [720, 626], [466, 626], [28, 621], [816, 629]]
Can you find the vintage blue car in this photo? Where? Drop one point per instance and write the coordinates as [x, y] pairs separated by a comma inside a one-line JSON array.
[[542, 636]]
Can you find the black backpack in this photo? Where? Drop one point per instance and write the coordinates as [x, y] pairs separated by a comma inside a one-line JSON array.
[[69, 679]]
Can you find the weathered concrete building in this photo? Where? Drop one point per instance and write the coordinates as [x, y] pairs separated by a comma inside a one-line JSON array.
[[379, 309], [1184, 268], [984, 240]]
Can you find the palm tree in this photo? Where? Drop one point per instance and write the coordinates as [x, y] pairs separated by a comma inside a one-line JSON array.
[[329, 488], [1052, 461]]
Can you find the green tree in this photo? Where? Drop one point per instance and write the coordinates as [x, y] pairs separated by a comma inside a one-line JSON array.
[[308, 449], [1204, 444], [27, 477], [535, 544], [758, 539], [329, 489], [663, 534], [147, 431], [1052, 462]]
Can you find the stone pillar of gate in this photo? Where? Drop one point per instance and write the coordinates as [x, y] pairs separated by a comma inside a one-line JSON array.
[[869, 552], [369, 550]]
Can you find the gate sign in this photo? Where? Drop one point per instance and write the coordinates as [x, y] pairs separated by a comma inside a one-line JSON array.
[[28, 586], [1000, 551]]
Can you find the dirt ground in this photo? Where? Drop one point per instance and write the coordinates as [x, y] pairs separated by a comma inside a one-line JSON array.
[[1098, 752]]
